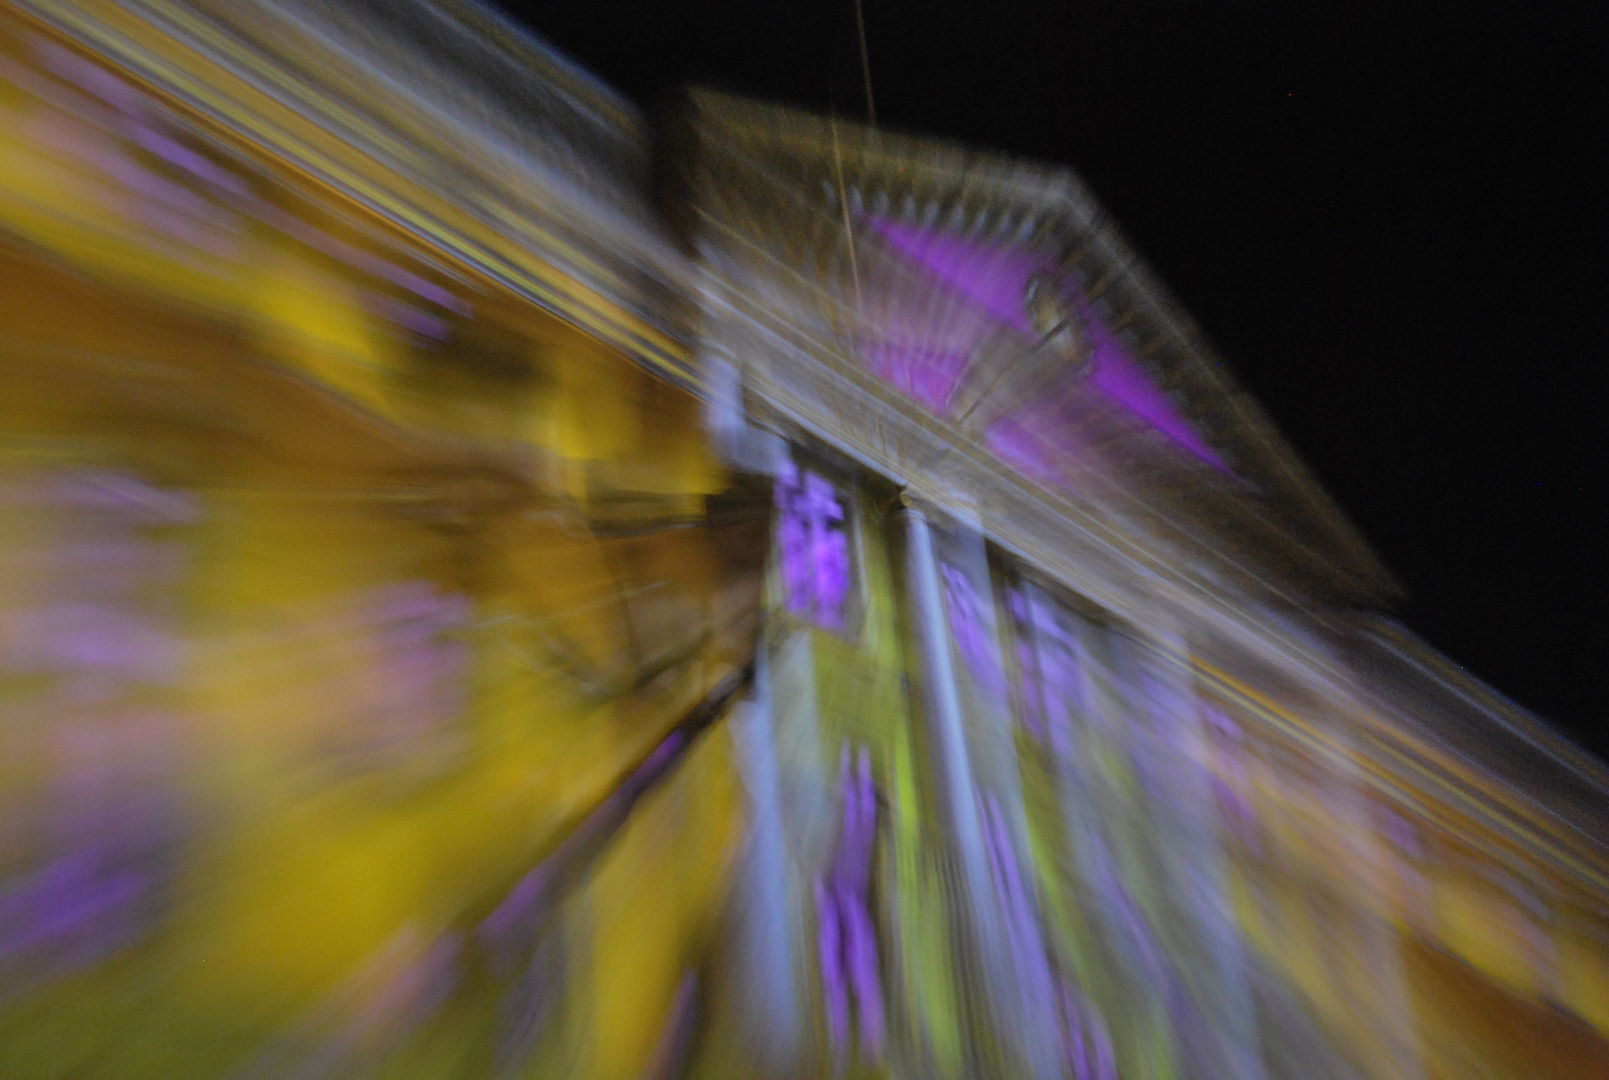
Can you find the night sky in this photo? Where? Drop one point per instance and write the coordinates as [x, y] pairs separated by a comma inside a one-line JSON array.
[[1389, 218]]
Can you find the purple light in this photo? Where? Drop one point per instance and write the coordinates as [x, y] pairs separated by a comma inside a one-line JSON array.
[[813, 546], [993, 280], [929, 376], [185, 216], [1048, 656], [1117, 375], [846, 937], [1030, 448]]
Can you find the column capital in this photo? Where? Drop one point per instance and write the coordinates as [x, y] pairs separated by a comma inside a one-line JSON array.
[[912, 503], [945, 510]]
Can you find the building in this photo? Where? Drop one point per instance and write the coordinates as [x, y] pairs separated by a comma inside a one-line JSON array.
[[490, 599]]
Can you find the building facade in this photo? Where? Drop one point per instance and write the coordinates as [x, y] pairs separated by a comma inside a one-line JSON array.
[[491, 598]]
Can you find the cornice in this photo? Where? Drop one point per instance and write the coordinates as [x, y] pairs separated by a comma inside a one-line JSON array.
[[365, 116], [1086, 545]]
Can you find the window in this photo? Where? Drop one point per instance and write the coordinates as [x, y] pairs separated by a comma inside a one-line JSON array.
[[813, 546]]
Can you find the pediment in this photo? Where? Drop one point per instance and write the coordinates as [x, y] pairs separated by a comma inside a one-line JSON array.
[[998, 298]]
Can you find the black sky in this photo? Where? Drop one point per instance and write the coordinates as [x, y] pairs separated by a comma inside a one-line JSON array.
[[1389, 217]]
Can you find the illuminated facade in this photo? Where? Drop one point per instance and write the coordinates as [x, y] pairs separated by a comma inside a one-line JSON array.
[[486, 600], [1190, 807]]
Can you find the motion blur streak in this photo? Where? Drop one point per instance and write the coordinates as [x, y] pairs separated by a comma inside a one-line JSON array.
[[492, 590]]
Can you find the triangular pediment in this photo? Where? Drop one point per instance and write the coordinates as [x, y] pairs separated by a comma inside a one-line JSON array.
[[984, 287], [931, 269]]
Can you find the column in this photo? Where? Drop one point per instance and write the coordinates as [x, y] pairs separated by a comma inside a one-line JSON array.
[[1160, 686], [767, 999], [984, 932], [941, 701]]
